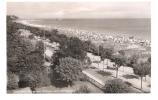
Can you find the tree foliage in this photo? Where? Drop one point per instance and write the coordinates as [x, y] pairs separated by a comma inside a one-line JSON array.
[[73, 48], [12, 81], [68, 70], [90, 47], [119, 61], [105, 52], [133, 60], [149, 59], [142, 69], [22, 56]]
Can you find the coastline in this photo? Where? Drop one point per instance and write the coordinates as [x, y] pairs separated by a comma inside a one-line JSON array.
[[98, 37], [25, 22]]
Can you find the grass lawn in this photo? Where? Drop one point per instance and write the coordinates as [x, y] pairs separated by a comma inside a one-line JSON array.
[[69, 89], [104, 73], [128, 76]]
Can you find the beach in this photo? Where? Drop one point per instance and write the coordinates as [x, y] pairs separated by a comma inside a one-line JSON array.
[[108, 39], [139, 28]]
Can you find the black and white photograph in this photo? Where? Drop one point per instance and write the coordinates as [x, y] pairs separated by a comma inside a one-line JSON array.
[[78, 47]]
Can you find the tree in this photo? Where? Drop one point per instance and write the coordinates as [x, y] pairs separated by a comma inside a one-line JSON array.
[[88, 61], [149, 59], [90, 47], [16, 53], [34, 79], [105, 53], [133, 60], [87, 46], [68, 70], [108, 53], [25, 57], [122, 52], [40, 48], [142, 69], [22, 56], [102, 54], [74, 48], [119, 61], [31, 68]]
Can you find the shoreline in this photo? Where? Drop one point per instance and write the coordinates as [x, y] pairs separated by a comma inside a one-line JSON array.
[[87, 35], [25, 22]]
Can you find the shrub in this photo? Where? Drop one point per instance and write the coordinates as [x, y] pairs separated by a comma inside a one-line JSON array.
[[27, 80], [111, 68], [127, 76], [92, 67], [83, 77], [44, 78], [96, 61], [116, 86], [128, 83], [34, 79], [149, 85], [31, 36], [83, 89], [104, 73], [87, 61], [12, 81]]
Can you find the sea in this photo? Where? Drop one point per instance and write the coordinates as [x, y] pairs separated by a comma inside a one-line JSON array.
[[140, 28]]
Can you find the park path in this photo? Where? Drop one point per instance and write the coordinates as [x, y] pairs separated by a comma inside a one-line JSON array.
[[100, 78], [126, 71]]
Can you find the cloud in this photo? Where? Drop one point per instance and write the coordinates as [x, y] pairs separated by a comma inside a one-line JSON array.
[[80, 9], [84, 9]]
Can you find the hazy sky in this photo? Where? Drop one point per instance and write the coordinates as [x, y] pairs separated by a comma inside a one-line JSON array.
[[79, 9]]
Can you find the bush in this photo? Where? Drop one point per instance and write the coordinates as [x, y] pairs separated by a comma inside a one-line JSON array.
[[116, 86], [127, 76], [104, 73], [128, 83], [27, 80], [12, 81], [31, 36], [44, 79], [96, 61], [34, 79], [111, 68], [92, 67], [87, 61], [83, 77], [83, 89]]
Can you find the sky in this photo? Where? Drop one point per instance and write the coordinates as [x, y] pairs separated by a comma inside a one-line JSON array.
[[35, 10]]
